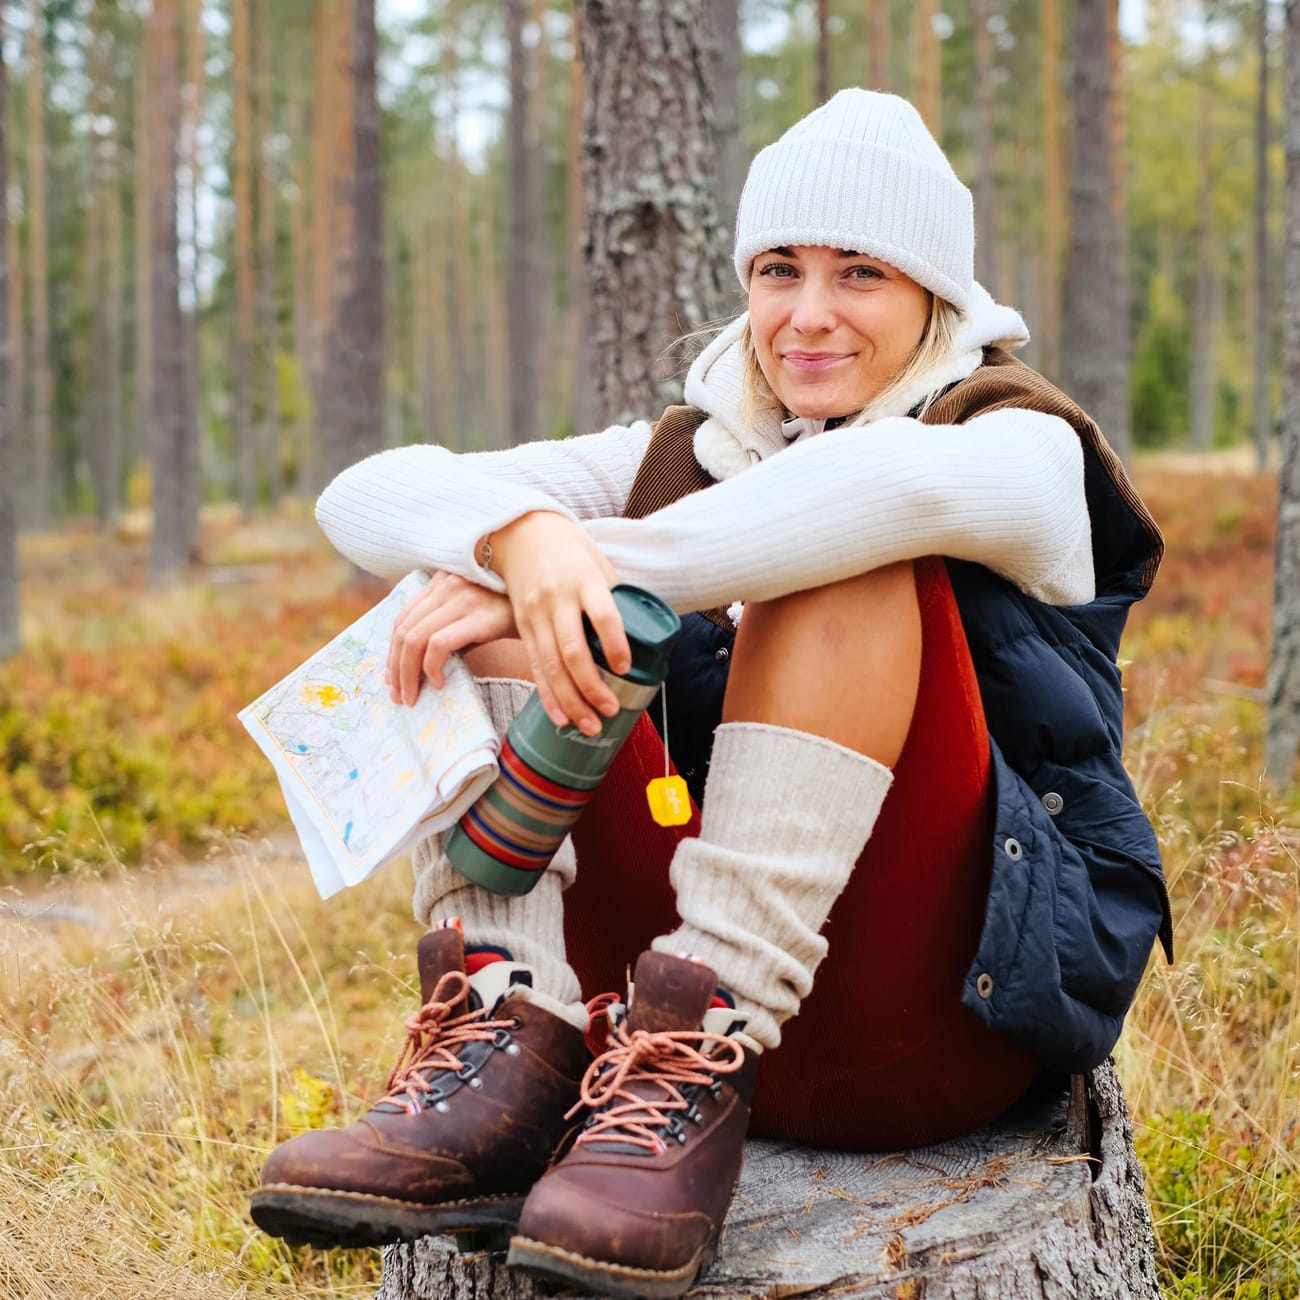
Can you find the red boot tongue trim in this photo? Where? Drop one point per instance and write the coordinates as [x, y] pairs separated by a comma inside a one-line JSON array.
[[669, 993]]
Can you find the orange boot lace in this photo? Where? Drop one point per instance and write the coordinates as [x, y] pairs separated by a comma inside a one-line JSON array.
[[433, 1037]]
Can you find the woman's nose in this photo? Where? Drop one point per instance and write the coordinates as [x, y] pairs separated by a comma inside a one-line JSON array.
[[812, 312]]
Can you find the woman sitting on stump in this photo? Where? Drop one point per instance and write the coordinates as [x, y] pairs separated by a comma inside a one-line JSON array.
[[911, 738]]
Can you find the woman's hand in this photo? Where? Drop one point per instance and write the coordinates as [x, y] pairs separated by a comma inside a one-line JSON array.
[[554, 573], [450, 614]]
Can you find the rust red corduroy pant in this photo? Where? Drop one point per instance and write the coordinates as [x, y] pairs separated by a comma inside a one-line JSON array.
[[882, 1054]]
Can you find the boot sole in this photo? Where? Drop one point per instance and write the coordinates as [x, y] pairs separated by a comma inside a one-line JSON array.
[[310, 1216], [555, 1264]]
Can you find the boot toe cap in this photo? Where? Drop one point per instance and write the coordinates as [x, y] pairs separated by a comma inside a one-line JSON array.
[[567, 1213]]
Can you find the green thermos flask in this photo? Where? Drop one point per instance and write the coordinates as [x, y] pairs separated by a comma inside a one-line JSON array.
[[548, 774]]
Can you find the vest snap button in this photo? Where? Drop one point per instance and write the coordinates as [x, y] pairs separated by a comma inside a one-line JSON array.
[[1013, 850], [984, 986], [1053, 803], [722, 654]]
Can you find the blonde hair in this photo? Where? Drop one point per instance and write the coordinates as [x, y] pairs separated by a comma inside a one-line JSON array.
[[935, 345]]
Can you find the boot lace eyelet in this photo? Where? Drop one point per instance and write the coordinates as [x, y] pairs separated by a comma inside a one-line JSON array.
[[476, 1082], [441, 1107], [513, 1049]]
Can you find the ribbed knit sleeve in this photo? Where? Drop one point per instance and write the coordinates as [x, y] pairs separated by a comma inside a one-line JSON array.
[[1004, 490], [424, 507]]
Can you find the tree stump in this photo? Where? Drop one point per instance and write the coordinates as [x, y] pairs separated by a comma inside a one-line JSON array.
[[1048, 1202]]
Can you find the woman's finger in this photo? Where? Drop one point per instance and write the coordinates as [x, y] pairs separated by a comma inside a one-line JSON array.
[[598, 601], [549, 668], [582, 669]]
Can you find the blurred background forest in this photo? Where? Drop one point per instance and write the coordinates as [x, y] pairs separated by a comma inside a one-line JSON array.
[[248, 241], [475, 295]]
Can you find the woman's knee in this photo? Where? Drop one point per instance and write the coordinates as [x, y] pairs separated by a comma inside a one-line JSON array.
[[841, 661]]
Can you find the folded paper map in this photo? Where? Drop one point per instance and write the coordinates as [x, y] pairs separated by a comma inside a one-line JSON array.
[[366, 779]]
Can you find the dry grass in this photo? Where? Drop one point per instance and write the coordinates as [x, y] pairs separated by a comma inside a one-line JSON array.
[[161, 1030]]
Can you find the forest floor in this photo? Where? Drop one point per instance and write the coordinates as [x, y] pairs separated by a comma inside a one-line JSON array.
[[174, 998]]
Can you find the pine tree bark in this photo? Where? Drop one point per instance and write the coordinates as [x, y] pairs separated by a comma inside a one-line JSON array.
[[365, 309], [524, 282], [1118, 413], [1284, 664], [823, 89], [1054, 214], [194, 80], [986, 242], [172, 455], [878, 44], [103, 436], [926, 91], [19, 453], [658, 257], [10, 625], [300, 259], [728, 55], [245, 290], [577, 333], [1262, 351], [1094, 375], [1202, 369], [38, 265], [268, 325], [137, 441]]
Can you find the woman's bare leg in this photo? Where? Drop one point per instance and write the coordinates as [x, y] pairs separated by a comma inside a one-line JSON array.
[[842, 662]]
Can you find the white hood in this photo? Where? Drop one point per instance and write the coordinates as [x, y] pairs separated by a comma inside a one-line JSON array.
[[724, 444]]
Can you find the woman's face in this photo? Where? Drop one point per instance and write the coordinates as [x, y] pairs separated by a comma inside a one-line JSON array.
[[832, 327]]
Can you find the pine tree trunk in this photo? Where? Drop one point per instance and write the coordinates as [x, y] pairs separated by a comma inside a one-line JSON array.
[[926, 92], [19, 453], [728, 56], [360, 326], [986, 242], [1262, 343], [300, 259], [524, 281], [327, 92], [10, 629], [1093, 375], [137, 444], [878, 44], [823, 88], [1054, 215], [490, 327], [658, 258], [578, 336], [1202, 371], [1284, 664], [102, 449], [1117, 412], [467, 359], [172, 529], [268, 332], [245, 303], [194, 77], [38, 260]]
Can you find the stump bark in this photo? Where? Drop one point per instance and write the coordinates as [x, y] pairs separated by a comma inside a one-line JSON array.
[[1046, 1203]]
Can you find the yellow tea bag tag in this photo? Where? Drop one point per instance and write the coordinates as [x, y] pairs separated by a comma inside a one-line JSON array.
[[670, 801]]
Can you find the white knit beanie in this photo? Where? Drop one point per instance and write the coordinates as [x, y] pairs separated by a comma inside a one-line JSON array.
[[862, 172]]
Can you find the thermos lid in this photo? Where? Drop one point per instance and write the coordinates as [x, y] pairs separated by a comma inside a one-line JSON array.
[[652, 630]]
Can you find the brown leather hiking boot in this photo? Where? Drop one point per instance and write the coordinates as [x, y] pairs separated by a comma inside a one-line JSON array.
[[635, 1205], [475, 1108]]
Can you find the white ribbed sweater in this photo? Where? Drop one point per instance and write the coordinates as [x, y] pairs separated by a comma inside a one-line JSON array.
[[1004, 490]]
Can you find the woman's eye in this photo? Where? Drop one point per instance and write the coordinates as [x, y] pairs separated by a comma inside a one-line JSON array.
[[777, 270], [865, 273]]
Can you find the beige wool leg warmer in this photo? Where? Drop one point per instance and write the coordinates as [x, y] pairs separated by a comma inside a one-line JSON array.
[[530, 926], [785, 816]]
